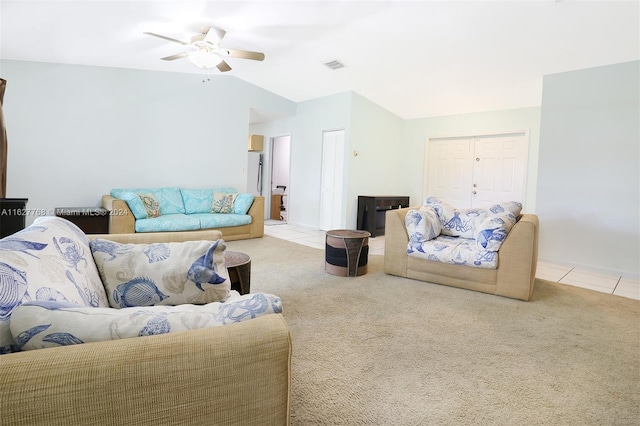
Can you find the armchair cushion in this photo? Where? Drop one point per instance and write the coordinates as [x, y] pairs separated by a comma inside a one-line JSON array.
[[162, 273], [422, 225], [513, 207], [493, 230], [37, 325], [457, 222]]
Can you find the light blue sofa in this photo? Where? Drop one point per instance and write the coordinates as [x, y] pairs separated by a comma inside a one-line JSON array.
[[173, 209]]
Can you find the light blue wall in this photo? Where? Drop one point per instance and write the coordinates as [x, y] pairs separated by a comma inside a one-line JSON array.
[[419, 130], [369, 129], [75, 132], [377, 136], [313, 117], [589, 175]]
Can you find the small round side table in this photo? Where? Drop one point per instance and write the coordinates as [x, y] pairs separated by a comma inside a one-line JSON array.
[[239, 267], [347, 252]]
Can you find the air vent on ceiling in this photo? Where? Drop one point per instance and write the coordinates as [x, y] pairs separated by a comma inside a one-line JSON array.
[[334, 65]]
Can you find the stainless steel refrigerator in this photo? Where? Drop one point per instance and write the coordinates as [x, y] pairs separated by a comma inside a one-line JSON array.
[[254, 173]]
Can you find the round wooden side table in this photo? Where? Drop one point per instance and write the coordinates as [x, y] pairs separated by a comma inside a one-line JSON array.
[[347, 252], [239, 267]]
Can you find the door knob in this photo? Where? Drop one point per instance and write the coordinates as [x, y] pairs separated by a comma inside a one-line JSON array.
[[477, 158], [474, 192]]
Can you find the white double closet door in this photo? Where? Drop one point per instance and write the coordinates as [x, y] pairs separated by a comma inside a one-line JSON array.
[[479, 170]]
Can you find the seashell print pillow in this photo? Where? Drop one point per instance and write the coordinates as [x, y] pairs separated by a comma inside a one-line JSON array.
[[223, 202], [48, 261], [37, 325], [151, 205], [493, 230], [512, 207], [162, 273]]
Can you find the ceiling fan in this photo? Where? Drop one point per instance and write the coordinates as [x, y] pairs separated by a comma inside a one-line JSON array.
[[206, 52]]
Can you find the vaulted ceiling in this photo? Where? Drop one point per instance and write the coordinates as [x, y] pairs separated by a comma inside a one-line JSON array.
[[414, 58]]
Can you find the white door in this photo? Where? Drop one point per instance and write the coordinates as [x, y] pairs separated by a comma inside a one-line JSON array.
[[331, 180], [499, 169], [450, 176], [476, 171]]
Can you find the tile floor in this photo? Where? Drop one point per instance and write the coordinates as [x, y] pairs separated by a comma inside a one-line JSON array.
[[619, 286]]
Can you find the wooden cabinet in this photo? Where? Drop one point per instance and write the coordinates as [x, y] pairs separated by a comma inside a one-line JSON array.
[[12, 215], [276, 203], [372, 210], [92, 220], [256, 142]]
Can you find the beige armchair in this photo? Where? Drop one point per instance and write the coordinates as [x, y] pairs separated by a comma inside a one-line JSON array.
[[517, 260], [237, 374]]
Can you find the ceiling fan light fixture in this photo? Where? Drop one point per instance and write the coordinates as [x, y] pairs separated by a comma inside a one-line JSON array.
[[204, 59]]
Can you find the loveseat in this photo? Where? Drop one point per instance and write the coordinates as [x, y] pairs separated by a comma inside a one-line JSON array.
[[193, 211], [492, 250], [167, 356]]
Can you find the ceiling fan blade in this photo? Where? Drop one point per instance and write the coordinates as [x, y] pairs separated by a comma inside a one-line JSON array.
[[244, 54], [214, 35], [223, 67], [174, 57], [167, 38]]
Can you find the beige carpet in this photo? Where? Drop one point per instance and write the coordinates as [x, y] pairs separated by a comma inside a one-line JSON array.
[[383, 350]]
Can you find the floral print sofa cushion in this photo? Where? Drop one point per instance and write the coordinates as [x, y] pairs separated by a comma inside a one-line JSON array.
[[48, 261], [37, 325]]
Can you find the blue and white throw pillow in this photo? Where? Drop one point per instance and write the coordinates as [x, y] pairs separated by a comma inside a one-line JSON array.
[[457, 222], [422, 225], [162, 273], [48, 261], [513, 207], [37, 325], [493, 230]]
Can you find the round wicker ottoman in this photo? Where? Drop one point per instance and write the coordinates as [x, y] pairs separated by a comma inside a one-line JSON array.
[[347, 252]]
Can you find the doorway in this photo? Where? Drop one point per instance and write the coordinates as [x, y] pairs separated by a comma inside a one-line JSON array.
[[279, 188]]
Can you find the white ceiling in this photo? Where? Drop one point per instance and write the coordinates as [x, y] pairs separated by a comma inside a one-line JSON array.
[[414, 58]]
